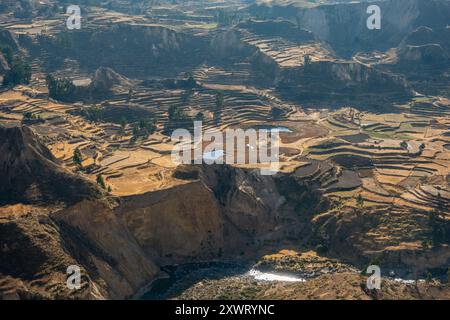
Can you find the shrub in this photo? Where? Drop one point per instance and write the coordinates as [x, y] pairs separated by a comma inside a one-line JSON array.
[[101, 181], [321, 249], [77, 157]]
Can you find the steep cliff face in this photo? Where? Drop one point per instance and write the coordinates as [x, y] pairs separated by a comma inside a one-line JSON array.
[[424, 54], [340, 81], [131, 50], [225, 213], [228, 44], [210, 218], [7, 38], [41, 179], [105, 247], [249, 201], [425, 46], [344, 25], [370, 237], [120, 243], [34, 259], [283, 29], [175, 225], [428, 54], [105, 80]]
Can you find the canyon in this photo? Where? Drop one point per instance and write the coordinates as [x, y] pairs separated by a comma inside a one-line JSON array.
[[88, 178]]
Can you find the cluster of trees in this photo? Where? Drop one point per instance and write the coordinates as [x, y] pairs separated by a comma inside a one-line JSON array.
[[30, 116], [176, 114], [19, 70], [190, 82], [144, 127], [24, 10], [19, 73], [276, 113], [77, 159], [94, 114], [439, 228], [60, 88]]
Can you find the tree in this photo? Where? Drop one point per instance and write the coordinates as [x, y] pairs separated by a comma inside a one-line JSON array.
[[429, 277], [94, 114], [61, 89], [307, 60], [190, 81], [438, 227], [175, 113], [136, 131], [20, 73], [321, 248], [219, 101], [217, 116], [24, 10], [77, 157], [172, 111], [276, 112], [425, 244], [8, 53], [123, 124], [339, 204], [28, 116], [147, 126], [200, 117], [101, 181], [130, 95], [360, 202]]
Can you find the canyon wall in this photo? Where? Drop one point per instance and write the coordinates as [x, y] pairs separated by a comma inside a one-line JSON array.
[[344, 25]]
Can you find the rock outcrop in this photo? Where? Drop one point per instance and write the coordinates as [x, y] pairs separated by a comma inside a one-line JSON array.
[[3, 65], [30, 173], [105, 81]]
